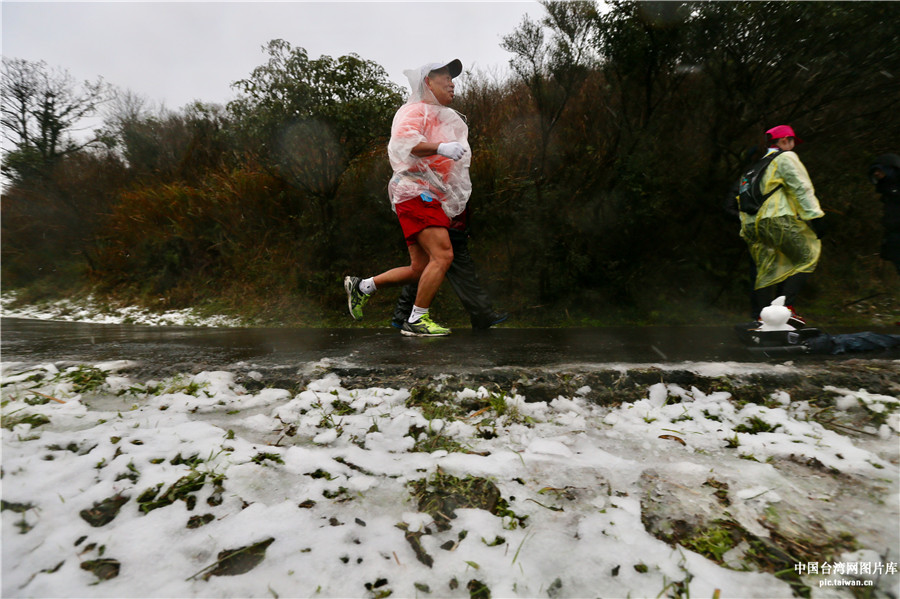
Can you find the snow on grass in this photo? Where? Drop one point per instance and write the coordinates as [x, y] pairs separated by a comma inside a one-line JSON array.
[[707, 422], [88, 309], [121, 488]]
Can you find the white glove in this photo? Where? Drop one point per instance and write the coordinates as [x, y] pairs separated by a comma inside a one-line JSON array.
[[451, 149]]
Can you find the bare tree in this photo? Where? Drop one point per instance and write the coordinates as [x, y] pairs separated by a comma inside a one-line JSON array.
[[554, 69], [41, 108]]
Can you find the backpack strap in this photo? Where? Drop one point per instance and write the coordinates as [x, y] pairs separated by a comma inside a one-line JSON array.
[[776, 188], [780, 185]]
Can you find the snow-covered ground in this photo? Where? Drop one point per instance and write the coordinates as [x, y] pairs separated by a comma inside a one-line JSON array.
[[116, 487], [88, 309]]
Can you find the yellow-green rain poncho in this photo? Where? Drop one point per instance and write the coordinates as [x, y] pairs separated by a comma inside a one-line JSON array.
[[781, 243]]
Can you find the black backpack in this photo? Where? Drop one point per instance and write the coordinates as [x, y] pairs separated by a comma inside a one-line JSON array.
[[750, 197]]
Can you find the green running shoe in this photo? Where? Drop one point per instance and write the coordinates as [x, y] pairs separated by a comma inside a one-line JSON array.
[[356, 299], [424, 327]]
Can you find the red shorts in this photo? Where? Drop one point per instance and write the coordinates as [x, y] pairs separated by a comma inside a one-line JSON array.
[[417, 214]]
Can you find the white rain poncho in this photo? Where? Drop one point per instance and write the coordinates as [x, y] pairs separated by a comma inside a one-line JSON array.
[[423, 119]]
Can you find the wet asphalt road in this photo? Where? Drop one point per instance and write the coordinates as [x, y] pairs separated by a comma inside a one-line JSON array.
[[35, 341]]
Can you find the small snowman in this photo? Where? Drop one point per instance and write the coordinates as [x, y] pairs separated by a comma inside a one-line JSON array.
[[775, 316]]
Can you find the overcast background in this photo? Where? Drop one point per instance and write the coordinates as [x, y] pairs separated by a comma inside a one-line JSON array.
[[178, 52]]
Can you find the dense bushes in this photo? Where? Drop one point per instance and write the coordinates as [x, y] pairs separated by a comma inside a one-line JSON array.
[[599, 169]]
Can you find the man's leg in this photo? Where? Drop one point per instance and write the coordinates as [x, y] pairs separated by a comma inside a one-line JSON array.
[[435, 242], [358, 295], [418, 263], [430, 257], [464, 280]]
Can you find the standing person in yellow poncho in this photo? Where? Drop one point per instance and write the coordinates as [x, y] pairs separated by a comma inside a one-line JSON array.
[[782, 235]]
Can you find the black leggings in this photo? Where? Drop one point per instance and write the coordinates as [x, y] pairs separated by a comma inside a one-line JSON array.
[[790, 288]]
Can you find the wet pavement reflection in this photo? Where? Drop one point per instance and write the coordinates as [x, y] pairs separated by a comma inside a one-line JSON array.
[[38, 341]]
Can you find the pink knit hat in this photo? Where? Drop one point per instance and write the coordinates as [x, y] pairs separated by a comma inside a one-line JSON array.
[[782, 131]]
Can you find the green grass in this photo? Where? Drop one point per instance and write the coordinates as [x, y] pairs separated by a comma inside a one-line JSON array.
[[85, 378], [755, 425], [713, 542]]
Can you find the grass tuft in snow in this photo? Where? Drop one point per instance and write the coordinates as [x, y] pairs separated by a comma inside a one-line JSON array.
[[442, 494], [263, 457], [184, 384], [713, 542], [478, 590], [104, 512], [755, 425], [428, 440], [85, 378], [434, 404], [181, 489], [33, 420], [103, 569]]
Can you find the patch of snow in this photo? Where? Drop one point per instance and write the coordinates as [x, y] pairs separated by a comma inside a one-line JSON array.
[[89, 309], [331, 489]]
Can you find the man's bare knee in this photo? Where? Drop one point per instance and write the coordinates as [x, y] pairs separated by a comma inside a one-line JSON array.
[[443, 259]]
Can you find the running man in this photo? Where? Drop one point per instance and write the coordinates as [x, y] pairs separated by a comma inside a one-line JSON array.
[[430, 156]]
